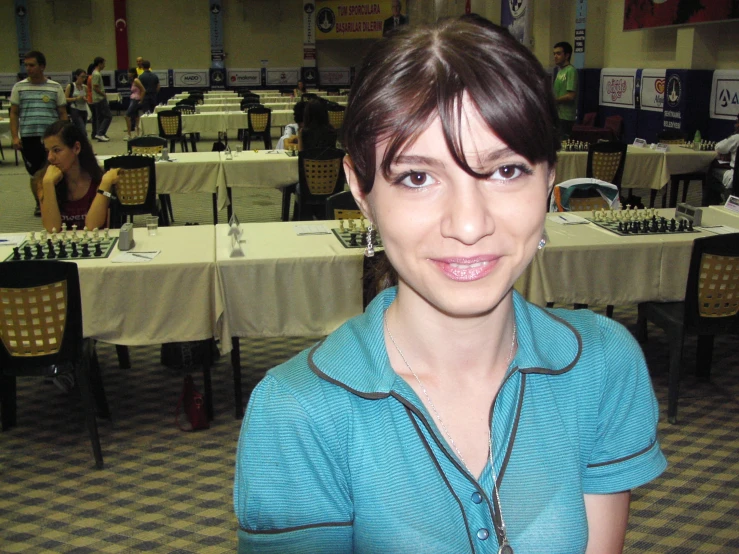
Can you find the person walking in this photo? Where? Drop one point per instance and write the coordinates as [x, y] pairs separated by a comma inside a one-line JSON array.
[[100, 101], [35, 103], [151, 88], [76, 93]]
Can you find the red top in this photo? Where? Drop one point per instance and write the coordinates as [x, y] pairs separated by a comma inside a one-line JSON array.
[[74, 211]]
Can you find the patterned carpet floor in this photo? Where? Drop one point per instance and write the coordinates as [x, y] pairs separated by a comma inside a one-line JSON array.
[[164, 490]]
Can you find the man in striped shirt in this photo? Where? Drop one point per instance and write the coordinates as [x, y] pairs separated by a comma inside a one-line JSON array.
[[35, 103]]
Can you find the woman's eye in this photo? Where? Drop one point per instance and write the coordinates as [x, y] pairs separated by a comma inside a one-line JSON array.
[[415, 179], [508, 172]]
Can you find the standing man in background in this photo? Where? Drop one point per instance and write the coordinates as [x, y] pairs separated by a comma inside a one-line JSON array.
[[35, 103], [151, 87], [139, 66], [100, 101], [565, 88]]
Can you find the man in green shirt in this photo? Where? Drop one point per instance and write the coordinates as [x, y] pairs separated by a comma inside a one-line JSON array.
[[565, 88]]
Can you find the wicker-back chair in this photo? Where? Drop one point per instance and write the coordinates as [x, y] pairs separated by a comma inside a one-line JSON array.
[[259, 121], [321, 174], [135, 190], [41, 335], [606, 162], [170, 128], [152, 146], [710, 308]]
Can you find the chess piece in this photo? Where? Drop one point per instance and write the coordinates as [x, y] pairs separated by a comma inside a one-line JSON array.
[[98, 250], [341, 225], [369, 251], [33, 236], [39, 251], [75, 254], [51, 252], [62, 251], [107, 234], [353, 239], [85, 250], [672, 225], [16, 252], [27, 252]]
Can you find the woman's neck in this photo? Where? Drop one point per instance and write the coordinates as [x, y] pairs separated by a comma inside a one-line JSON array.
[[456, 347]]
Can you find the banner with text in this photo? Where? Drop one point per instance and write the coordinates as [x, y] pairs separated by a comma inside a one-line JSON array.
[[244, 77], [516, 16], [217, 55], [725, 94], [283, 76], [309, 33], [652, 91], [618, 88], [164, 77], [334, 76], [335, 19], [22, 31], [191, 78]]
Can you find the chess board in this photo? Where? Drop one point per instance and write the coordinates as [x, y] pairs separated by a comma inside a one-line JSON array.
[[106, 249], [663, 227], [359, 241]]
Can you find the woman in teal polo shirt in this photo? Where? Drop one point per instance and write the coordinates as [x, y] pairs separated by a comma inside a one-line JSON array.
[[453, 416]]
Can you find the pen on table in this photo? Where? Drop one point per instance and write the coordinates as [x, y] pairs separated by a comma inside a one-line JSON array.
[[142, 255], [563, 218]]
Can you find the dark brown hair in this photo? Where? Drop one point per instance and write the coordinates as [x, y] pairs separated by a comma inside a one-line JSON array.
[[417, 73]]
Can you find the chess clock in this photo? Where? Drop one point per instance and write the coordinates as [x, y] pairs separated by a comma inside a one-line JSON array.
[[689, 213]]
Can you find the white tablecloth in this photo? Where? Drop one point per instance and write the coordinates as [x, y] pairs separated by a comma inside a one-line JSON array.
[[212, 123], [287, 284]]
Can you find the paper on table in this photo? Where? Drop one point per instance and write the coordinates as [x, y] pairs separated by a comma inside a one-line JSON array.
[[135, 257], [567, 219], [311, 230], [12, 239], [720, 229]]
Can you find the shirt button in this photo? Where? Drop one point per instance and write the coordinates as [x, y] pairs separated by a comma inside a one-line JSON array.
[[482, 534], [476, 497]]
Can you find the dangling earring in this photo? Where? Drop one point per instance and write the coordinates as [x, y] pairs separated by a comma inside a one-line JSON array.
[[369, 250], [543, 241]]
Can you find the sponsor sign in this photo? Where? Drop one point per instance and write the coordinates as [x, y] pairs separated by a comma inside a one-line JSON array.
[[653, 86], [332, 76], [617, 88], [163, 75], [217, 78], [673, 113], [22, 30], [216, 34], [190, 78], [335, 19], [639, 14], [244, 77], [725, 94], [7, 80], [283, 76], [515, 15]]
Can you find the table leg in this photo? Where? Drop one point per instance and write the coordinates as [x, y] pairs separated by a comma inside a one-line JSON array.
[[236, 366], [674, 185], [215, 208], [229, 208], [208, 388]]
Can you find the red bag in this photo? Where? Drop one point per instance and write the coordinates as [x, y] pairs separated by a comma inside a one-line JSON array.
[[193, 404]]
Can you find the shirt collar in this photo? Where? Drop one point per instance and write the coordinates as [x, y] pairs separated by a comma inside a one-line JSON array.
[[355, 358]]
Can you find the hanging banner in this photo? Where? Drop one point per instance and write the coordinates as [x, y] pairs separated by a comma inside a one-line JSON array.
[[334, 76], [121, 34], [725, 94], [335, 19], [244, 77], [652, 90], [581, 18], [190, 78], [639, 14], [516, 15], [165, 77], [217, 54], [618, 88], [309, 33], [283, 76], [22, 31], [217, 78]]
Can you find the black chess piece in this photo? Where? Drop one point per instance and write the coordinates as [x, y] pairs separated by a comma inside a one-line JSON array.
[[625, 230], [51, 252], [16, 252], [363, 239], [690, 226], [39, 251], [672, 225], [620, 226], [655, 225], [62, 250], [75, 254], [27, 252], [98, 250], [681, 227], [353, 239], [85, 250]]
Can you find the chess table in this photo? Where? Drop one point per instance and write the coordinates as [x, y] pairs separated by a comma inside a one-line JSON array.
[[644, 167], [211, 123], [587, 264]]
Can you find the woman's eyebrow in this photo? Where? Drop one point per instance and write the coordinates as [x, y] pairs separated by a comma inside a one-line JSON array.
[[495, 155], [417, 160]]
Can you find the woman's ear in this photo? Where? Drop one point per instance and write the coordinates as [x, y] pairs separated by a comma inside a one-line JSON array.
[[77, 148], [356, 188]]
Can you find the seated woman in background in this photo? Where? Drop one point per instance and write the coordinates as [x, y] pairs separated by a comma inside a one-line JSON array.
[[72, 188], [289, 136], [137, 94], [76, 93], [452, 415], [300, 90], [316, 131]]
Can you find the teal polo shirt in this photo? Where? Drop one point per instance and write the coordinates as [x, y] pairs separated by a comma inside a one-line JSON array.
[[338, 454]]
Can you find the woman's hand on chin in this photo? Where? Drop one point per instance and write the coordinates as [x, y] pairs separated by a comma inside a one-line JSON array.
[[53, 175]]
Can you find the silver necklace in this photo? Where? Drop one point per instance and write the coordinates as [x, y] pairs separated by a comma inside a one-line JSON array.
[[505, 547]]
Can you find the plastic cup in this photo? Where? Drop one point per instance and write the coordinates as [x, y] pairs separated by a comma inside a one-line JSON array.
[[152, 225], [239, 148]]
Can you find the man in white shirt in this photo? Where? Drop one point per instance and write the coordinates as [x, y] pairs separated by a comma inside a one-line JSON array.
[[720, 179]]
